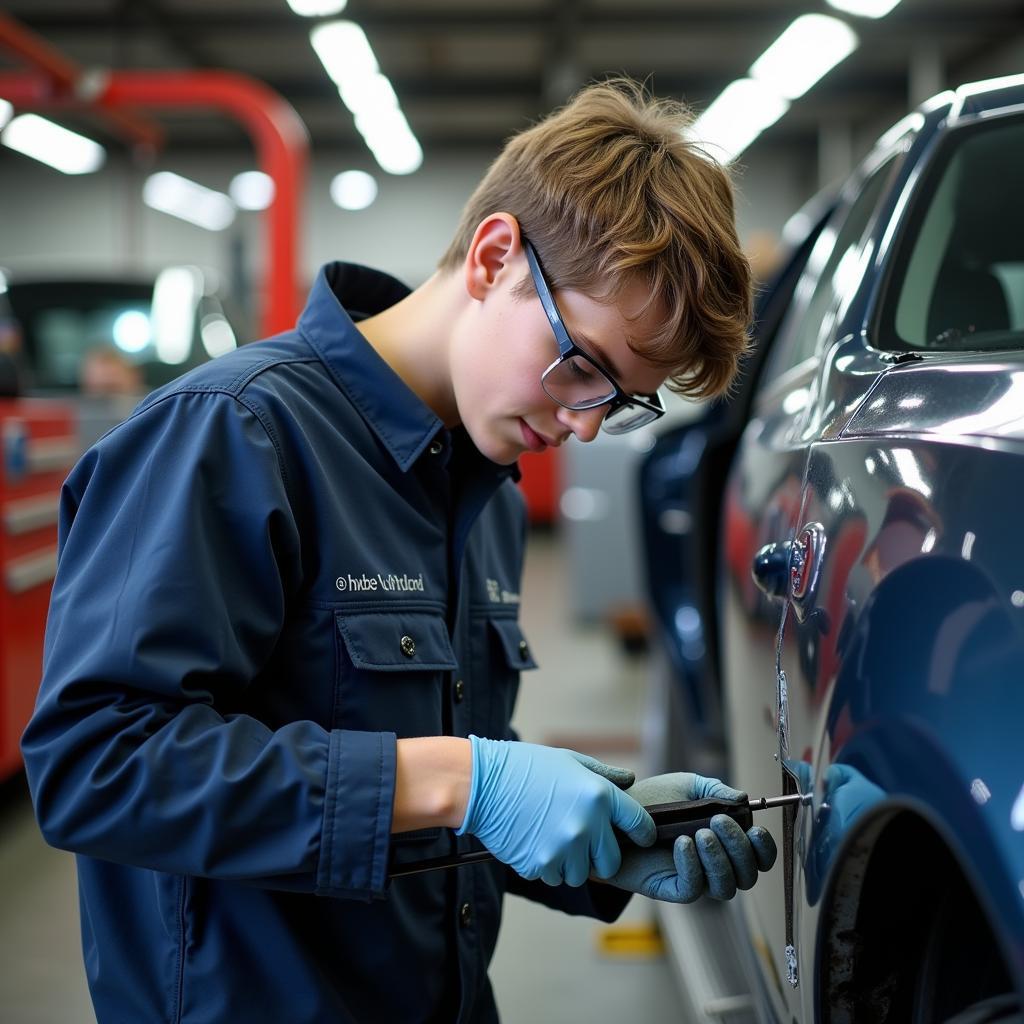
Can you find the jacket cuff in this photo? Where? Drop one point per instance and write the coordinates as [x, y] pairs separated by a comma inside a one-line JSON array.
[[594, 899], [355, 840]]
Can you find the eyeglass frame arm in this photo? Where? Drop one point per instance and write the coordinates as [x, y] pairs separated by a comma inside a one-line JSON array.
[[568, 348]]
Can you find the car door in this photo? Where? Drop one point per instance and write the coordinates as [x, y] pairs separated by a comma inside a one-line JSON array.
[[903, 645], [763, 500]]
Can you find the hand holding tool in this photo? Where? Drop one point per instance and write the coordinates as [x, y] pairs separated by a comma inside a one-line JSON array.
[[550, 813], [707, 842], [656, 875]]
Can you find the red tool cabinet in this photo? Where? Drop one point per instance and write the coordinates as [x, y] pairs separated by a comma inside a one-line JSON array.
[[39, 445]]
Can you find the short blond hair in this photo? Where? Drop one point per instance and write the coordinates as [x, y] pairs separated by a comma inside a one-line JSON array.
[[611, 189]]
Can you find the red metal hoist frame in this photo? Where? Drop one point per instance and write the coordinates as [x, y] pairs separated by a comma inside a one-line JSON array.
[[278, 134]]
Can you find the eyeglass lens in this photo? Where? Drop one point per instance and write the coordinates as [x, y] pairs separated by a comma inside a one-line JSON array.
[[577, 383], [626, 418]]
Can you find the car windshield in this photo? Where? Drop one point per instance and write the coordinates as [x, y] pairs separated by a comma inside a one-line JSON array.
[[62, 321], [959, 281], [75, 331]]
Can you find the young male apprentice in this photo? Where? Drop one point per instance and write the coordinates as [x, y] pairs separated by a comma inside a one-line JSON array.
[[283, 646]]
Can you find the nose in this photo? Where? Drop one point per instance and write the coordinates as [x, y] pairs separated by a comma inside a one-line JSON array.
[[584, 423]]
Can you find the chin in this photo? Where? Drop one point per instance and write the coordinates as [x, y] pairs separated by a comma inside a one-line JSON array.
[[494, 446]]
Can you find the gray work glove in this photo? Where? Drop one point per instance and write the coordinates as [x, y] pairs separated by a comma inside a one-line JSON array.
[[719, 861]]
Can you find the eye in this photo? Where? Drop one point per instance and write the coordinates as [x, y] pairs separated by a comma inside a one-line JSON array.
[[580, 369]]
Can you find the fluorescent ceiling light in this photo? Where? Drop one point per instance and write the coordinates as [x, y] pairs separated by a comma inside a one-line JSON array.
[[6, 112], [47, 142], [391, 141], [354, 190], [252, 190], [317, 8], [808, 49], [173, 194], [370, 95], [743, 110], [348, 58], [175, 297], [344, 51], [864, 8]]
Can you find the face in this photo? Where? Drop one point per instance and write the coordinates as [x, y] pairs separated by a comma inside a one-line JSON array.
[[503, 345]]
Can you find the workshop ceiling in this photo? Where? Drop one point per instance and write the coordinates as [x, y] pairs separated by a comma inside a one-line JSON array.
[[470, 73]]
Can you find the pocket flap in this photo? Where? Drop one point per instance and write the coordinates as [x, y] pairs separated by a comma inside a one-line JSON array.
[[517, 650], [396, 641]]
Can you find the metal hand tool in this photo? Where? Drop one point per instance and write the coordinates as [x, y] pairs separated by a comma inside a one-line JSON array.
[[671, 820]]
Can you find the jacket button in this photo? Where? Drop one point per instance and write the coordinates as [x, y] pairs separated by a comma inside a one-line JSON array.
[[408, 646], [524, 650], [436, 447], [465, 915], [460, 691]]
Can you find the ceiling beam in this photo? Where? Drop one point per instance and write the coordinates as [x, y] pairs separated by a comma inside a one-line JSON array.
[[868, 85], [750, 20]]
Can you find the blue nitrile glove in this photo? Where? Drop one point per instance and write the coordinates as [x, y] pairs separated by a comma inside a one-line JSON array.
[[549, 813], [720, 859]]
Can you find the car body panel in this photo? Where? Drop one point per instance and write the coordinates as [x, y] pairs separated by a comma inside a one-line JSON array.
[[909, 659], [681, 483], [902, 642]]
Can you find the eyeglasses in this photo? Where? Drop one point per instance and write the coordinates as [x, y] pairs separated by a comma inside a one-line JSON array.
[[575, 381]]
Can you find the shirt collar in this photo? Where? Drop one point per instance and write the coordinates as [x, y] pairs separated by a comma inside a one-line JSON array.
[[399, 417], [342, 294]]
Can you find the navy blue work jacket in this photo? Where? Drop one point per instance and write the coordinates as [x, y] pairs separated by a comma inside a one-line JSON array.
[[276, 566]]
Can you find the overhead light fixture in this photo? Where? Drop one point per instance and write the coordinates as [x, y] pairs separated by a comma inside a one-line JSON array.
[[6, 112], [353, 190], [391, 141], [743, 110], [344, 51], [368, 95], [317, 8], [252, 190], [864, 8], [51, 144], [807, 50], [176, 295], [171, 193], [348, 58]]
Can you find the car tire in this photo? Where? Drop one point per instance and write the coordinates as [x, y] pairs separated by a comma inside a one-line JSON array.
[[1004, 1009], [959, 936]]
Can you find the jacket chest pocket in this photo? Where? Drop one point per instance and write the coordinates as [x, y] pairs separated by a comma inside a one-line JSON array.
[[501, 652], [390, 669]]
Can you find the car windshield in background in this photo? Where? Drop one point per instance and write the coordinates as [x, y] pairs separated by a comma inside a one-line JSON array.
[[959, 281], [153, 332]]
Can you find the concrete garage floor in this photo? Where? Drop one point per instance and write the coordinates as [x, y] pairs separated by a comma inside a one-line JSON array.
[[547, 967]]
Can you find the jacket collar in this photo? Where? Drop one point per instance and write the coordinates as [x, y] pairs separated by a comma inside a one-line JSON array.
[[343, 294]]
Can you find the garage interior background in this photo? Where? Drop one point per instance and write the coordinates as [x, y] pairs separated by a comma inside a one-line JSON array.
[[466, 75]]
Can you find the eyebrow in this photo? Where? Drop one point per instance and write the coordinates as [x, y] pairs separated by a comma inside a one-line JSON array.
[[602, 356]]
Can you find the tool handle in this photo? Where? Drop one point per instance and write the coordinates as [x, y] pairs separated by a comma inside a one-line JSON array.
[[686, 817], [671, 820]]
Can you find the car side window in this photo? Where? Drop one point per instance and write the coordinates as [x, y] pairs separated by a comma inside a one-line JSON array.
[[958, 282], [826, 278]]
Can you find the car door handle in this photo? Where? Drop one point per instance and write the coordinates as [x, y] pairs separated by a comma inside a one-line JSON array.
[[770, 568], [791, 568]]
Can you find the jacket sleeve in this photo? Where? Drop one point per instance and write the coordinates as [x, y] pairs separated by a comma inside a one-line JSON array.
[[178, 551], [604, 902]]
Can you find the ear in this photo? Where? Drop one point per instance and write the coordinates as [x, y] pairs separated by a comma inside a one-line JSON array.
[[496, 245]]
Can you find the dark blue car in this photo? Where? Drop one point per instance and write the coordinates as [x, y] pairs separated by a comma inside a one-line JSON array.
[[870, 591]]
